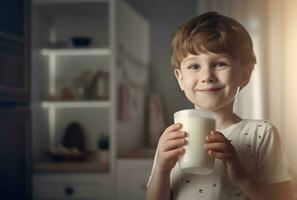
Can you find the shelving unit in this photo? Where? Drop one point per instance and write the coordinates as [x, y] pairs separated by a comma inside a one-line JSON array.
[[68, 1], [62, 93], [76, 104], [66, 167], [76, 52]]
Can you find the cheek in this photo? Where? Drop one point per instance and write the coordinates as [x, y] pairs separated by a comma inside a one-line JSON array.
[[232, 88], [230, 79], [190, 82], [231, 92]]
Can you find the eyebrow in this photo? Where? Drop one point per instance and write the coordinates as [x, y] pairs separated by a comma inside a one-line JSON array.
[[188, 59], [217, 57]]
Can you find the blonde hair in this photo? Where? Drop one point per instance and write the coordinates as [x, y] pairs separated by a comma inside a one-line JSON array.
[[212, 32]]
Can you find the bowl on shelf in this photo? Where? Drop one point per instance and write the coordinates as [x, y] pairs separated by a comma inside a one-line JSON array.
[[81, 41], [62, 153], [66, 157]]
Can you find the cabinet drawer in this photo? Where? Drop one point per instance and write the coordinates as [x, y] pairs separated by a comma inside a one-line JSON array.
[[73, 190], [133, 176], [137, 181], [46, 188]]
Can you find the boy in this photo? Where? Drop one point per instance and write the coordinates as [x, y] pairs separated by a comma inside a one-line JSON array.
[[213, 59]]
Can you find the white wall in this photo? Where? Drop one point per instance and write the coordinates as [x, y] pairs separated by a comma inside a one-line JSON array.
[[273, 28], [249, 103], [290, 80], [164, 17], [279, 54]]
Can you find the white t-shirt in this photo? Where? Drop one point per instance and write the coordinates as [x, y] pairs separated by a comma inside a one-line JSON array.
[[259, 148]]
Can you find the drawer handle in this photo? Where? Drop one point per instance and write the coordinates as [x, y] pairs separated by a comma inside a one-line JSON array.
[[69, 190]]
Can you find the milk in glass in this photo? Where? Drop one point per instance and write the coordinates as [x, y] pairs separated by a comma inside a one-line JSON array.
[[197, 124]]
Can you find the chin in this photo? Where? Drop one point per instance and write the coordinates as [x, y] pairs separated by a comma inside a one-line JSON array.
[[211, 106], [208, 106]]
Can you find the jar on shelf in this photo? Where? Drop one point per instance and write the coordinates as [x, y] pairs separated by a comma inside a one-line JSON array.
[[102, 85], [66, 90], [99, 87], [82, 84], [103, 149]]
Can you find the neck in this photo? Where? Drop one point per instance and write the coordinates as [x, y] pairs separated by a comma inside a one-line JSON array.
[[226, 117], [224, 122]]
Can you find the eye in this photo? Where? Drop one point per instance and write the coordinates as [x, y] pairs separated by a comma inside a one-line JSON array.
[[220, 65], [194, 66]]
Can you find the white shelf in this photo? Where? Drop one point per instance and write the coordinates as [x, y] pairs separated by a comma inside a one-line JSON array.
[[76, 104], [76, 51], [67, 1], [87, 166]]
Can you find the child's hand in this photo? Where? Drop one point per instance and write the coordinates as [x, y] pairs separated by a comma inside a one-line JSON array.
[[220, 147], [170, 146]]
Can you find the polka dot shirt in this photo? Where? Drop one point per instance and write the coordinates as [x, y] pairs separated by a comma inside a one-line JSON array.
[[259, 148]]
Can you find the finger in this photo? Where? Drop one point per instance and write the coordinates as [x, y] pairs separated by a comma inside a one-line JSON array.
[[169, 130], [173, 144], [222, 156], [216, 136], [173, 127], [175, 135], [218, 146], [173, 153]]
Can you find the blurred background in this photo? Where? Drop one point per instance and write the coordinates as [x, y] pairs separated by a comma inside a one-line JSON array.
[[86, 89]]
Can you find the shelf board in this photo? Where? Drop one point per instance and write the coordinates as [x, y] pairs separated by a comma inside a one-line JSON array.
[[76, 51], [68, 1], [47, 166], [76, 104]]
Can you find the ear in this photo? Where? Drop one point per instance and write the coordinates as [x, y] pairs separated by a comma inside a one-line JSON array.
[[247, 72], [179, 78]]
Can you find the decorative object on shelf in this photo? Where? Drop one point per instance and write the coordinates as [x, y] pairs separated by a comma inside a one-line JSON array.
[[103, 142], [73, 145], [103, 86], [81, 41], [123, 102], [88, 85], [74, 136], [99, 86], [156, 120], [53, 42], [64, 88], [79, 89], [131, 70], [103, 149], [62, 153], [67, 93], [82, 84]]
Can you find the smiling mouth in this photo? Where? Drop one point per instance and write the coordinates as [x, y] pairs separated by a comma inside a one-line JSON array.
[[210, 89]]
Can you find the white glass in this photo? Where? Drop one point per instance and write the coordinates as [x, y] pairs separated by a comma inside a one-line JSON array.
[[197, 124]]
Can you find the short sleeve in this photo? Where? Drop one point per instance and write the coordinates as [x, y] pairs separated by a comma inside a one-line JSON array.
[[152, 171], [273, 165]]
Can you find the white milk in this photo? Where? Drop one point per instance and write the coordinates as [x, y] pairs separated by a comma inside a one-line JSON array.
[[197, 124]]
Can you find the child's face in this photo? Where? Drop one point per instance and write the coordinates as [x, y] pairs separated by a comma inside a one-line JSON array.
[[210, 81]]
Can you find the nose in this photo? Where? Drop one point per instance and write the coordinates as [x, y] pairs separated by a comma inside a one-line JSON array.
[[207, 75]]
